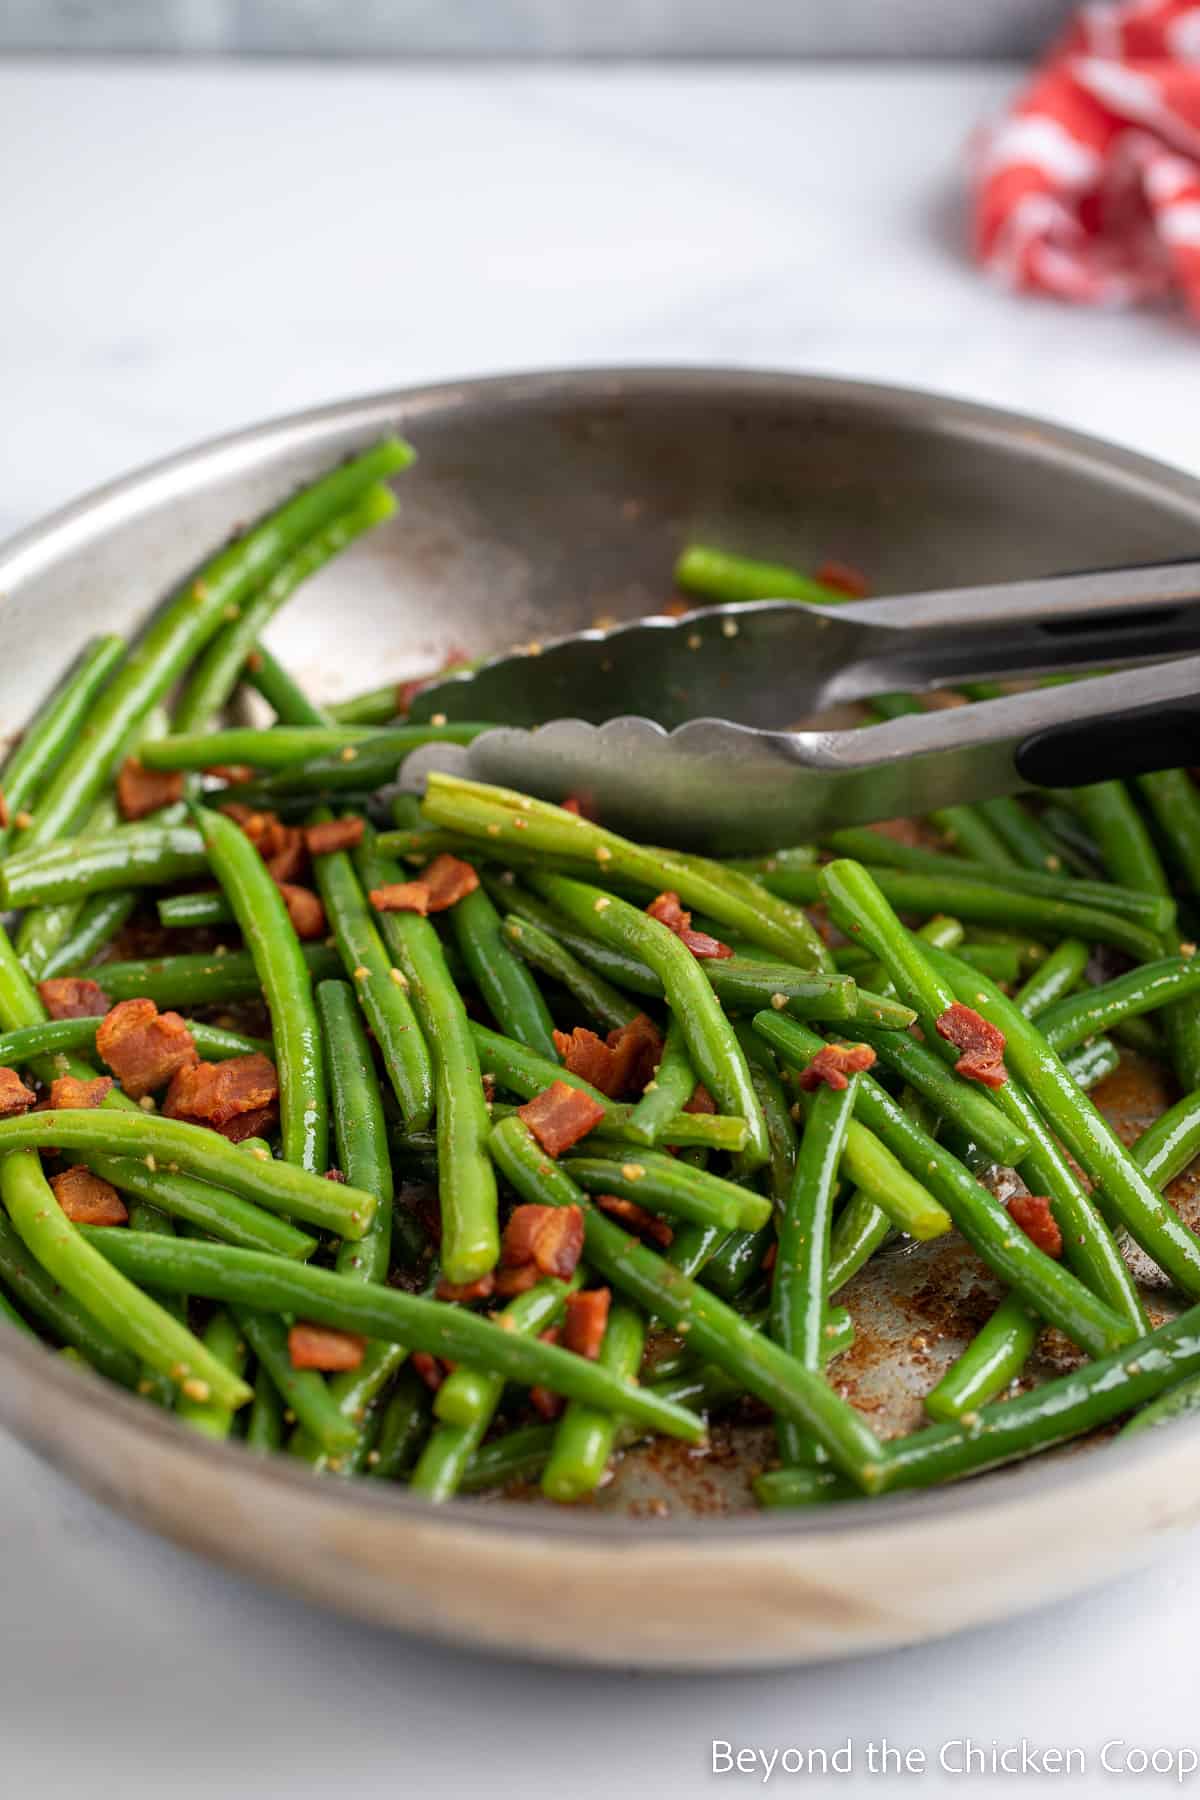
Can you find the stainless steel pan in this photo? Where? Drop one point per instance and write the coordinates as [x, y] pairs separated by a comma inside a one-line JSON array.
[[542, 504]]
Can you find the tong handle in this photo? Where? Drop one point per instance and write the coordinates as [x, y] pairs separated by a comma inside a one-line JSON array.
[[1134, 741]]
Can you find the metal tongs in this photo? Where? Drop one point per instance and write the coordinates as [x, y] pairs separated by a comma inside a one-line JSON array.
[[682, 730]]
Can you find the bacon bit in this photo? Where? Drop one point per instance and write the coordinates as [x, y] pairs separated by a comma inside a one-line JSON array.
[[586, 1321], [1032, 1213], [834, 1064], [141, 790], [334, 834], [619, 1065], [236, 1097], [449, 880], [545, 1401], [143, 1047], [3, 811], [550, 1238], [511, 1282], [233, 773], [305, 911], [431, 1371], [401, 896], [72, 997], [668, 911], [280, 846], [559, 1116], [701, 1100], [69, 1091], [335, 1175], [321, 1347], [675, 608], [646, 1224], [845, 577], [15, 1097], [583, 806], [982, 1045], [291, 861], [86, 1199], [482, 1289], [768, 1261]]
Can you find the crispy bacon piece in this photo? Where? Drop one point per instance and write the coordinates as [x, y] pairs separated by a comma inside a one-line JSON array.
[[334, 834], [72, 997], [845, 577], [86, 1199], [281, 846], [445, 882], [15, 1097], [141, 790], [549, 1404], [547, 1238], [431, 1371], [401, 896], [981, 1043], [834, 1065], [304, 909], [586, 1321], [667, 910], [1033, 1214], [646, 1224], [321, 1347], [291, 860], [143, 1047], [582, 805], [236, 1097], [559, 1116], [619, 1065], [480, 1289], [69, 1091], [234, 773], [511, 1282], [701, 1100]]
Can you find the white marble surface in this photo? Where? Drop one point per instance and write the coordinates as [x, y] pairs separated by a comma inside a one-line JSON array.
[[185, 250]]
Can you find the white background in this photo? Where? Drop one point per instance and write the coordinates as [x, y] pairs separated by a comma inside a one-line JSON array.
[[186, 250]]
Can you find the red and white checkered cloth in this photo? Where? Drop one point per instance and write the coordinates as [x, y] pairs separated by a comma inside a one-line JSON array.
[[1090, 188]]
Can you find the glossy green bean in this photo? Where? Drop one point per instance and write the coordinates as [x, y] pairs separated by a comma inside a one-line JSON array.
[[1052, 980], [1183, 1397], [368, 761], [1172, 797], [377, 706], [668, 1092], [287, 988], [210, 1418], [213, 1042], [721, 575], [600, 1000], [1166, 1148], [304, 1392], [286, 698], [45, 1300], [948, 1093], [862, 1227], [1090, 1065], [276, 747], [402, 1430], [658, 1183], [507, 985], [585, 1437], [245, 1278], [129, 856], [264, 1427], [203, 1204], [204, 978], [991, 1362], [53, 729], [359, 1126], [187, 911], [1070, 1021]]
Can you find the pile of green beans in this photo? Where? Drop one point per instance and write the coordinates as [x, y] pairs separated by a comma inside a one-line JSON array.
[[404, 1265]]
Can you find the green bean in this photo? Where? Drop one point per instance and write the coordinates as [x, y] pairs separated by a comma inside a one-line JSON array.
[[11, 1316], [1093, 1063], [473, 1394], [990, 1363], [287, 700], [214, 1043], [1166, 1148], [204, 978], [1058, 1295], [279, 1186], [245, 1278], [209, 1208], [658, 1183], [355, 1393], [369, 760], [1053, 980], [64, 1318], [948, 1093], [186, 911], [900, 1191], [1084, 1132], [713, 1329], [1022, 835], [272, 942], [276, 747], [359, 1127], [799, 1486], [128, 1315], [210, 1418], [599, 999], [716, 1055], [585, 1437], [720, 575], [264, 1427], [517, 1456], [1184, 1397], [99, 920], [668, 1093], [378, 706], [538, 829], [219, 668], [186, 625], [1176, 807], [1069, 1022], [800, 1276], [862, 1227], [44, 743], [466, 1178], [303, 1391], [381, 989], [509, 990], [1050, 1414], [130, 856], [402, 1430], [740, 1256]]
